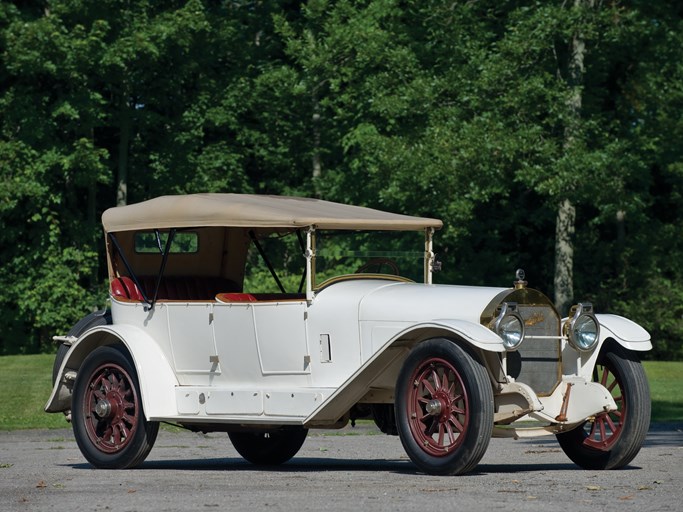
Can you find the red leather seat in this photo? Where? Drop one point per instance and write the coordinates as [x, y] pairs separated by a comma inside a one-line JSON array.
[[235, 297], [124, 288], [173, 287]]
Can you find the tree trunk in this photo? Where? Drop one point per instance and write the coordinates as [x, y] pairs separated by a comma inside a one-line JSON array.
[[564, 256], [566, 214], [124, 146]]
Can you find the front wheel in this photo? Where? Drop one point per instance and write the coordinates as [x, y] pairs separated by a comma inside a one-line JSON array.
[[444, 408], [269, 448], [108, 420], [612, 439]]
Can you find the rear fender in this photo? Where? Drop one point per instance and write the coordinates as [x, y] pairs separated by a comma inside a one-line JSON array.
[[156, 378]]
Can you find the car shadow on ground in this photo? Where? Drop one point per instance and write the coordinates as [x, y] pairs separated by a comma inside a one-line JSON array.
[[318, 465]]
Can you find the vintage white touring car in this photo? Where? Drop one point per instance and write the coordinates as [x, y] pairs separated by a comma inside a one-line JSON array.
[[191, 338]]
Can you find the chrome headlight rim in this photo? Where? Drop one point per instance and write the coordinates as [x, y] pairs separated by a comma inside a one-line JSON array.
[[582, 328], [508, 315]]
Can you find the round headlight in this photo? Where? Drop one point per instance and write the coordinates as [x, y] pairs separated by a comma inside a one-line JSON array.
[[583, 330], [509, 326]]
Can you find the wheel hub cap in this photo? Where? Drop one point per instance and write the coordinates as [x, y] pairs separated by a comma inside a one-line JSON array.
[[103, 409], [434, 407]]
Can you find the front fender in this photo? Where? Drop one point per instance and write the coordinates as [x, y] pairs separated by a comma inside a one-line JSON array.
[[381, 369], [624, 331], [475, 334], [155, 375]]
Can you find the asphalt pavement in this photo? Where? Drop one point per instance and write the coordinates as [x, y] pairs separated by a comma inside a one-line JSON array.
[[352, 469]]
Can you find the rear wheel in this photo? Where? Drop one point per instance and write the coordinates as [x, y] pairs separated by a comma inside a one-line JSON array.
[[444, 408], [108, 420], [269, 448], [613, 439]]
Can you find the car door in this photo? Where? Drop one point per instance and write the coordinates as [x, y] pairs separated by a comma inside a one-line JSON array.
[[280, 330], [192, 342]]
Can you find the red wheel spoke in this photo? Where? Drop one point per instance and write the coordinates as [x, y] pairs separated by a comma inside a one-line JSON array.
[[431, 430], [117, 434], [602, 428], [106, 385], [457, 410], [444, 382], [593, 428], [610, 423], [428, 387], [451, 434], [436, 380], [458, 426], [603, 380], [124, 430], [441, 434]]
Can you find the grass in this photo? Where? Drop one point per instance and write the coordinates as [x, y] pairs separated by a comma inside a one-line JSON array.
[[666, 389], [25, 385]]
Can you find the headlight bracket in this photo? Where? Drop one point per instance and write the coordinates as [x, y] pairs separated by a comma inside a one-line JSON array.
[[582, 328], [509, 325]]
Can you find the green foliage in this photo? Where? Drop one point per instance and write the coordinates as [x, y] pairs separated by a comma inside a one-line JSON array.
[[657, 306], [465, 111]]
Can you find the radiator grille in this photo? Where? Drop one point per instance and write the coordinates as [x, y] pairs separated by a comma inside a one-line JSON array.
[[537, 362]]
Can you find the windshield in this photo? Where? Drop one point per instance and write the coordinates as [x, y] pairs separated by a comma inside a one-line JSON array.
[[337, 253]]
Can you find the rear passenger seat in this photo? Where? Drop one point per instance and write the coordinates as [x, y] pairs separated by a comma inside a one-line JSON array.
[[173, 287], [259, 297]]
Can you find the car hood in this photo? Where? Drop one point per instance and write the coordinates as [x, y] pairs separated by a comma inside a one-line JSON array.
[[413, 302], [416, 302]]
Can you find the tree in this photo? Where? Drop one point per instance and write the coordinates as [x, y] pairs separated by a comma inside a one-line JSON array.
[[544, 134]]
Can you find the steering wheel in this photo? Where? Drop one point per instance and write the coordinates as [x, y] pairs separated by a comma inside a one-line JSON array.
[[374, 266]]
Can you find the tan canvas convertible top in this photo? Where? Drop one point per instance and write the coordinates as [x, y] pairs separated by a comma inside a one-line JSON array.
[[255, 211]]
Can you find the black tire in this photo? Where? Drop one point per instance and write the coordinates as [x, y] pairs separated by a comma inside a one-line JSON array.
[[101, 317], [269, 448], [444, 408], [613, 439], [384, 416], [108, 419]]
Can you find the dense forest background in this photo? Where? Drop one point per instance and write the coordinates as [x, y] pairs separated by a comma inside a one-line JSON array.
[[547, 135]]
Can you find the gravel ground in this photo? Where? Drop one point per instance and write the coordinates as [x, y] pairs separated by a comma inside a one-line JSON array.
[[350, 469]]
